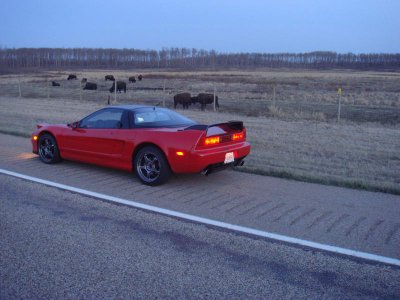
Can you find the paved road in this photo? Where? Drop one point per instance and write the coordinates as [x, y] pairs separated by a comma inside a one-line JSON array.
[[57, 244], [358, 220]]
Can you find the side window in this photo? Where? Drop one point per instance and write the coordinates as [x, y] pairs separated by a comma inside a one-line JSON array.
[[104, 119]]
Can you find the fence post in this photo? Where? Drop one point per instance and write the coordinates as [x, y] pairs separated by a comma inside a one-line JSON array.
[[19, 87], [47, 88], [265, 98], [273, 96], [164, 94], [80, 91], [214, 98], [115, 90], [339, 103]]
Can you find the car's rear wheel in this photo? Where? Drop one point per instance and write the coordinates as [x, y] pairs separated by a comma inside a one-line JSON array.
[[48, 149], [151, 166]]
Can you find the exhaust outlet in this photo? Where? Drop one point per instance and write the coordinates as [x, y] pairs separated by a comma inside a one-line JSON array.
[[205, 172]]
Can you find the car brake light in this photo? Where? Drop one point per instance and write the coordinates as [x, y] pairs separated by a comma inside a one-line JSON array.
[[212, 140], [237, 136]]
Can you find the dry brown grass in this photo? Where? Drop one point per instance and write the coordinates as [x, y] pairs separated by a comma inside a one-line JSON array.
[[310, 95], [349, 154], [296, 136], [359, 155]]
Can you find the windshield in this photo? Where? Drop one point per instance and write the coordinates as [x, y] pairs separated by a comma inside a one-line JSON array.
[[160, 117]]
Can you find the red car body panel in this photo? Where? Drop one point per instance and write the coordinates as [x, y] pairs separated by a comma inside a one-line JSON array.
[[115, 148]]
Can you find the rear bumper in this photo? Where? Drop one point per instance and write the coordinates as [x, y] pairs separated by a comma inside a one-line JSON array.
[[198, 161], [222, 166]]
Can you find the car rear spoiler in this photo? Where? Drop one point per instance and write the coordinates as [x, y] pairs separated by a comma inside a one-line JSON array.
[[234, 125]]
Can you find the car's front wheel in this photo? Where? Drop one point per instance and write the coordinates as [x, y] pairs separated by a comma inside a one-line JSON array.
[[151, 166], [48, 149]]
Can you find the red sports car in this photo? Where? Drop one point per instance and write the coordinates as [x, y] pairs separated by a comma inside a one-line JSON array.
[[151, 141]]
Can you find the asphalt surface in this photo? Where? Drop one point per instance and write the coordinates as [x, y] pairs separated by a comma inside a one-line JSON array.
[[353, 219], [57, 244]]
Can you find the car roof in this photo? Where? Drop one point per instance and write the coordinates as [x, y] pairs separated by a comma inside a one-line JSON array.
[[132, 107]]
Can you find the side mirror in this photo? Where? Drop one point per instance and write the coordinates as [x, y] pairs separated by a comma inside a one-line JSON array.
[[74, 125]]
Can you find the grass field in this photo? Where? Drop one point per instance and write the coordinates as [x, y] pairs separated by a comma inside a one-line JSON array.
[[312, 95], [294, 141]]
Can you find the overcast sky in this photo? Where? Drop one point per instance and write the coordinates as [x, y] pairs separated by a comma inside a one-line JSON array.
[[359, 26]]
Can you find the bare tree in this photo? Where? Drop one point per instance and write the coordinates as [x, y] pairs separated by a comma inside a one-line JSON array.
[[184, 58]]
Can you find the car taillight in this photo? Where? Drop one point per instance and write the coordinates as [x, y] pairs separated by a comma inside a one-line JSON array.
[[221, 139], [237, 136], [213, 140]]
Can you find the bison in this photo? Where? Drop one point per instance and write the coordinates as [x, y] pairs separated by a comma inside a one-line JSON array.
[[204, 99], [90, 86], [132, 79], [140, 77], [54, 83], [71, 76], [184, 99], [84, 80], [121, 85], [109, 77]]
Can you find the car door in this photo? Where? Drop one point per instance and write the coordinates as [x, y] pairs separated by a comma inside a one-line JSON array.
[[97, 138]]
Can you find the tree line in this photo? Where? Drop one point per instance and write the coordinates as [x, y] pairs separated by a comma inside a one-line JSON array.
[[187, 58]]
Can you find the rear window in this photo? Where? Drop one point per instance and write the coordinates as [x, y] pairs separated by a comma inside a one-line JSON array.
[[160, 117]]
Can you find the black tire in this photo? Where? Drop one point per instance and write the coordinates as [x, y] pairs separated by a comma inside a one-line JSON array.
[[151, 166], [48, 149]]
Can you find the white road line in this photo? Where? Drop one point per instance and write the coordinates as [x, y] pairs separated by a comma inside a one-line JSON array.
[[260, 233]]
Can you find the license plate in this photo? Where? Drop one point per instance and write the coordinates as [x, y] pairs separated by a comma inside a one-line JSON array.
[[229, 158]]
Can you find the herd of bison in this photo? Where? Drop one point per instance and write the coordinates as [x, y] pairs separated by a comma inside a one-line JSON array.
[[185, 99]]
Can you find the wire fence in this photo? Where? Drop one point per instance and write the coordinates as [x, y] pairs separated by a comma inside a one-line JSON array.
[[275, 100]]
